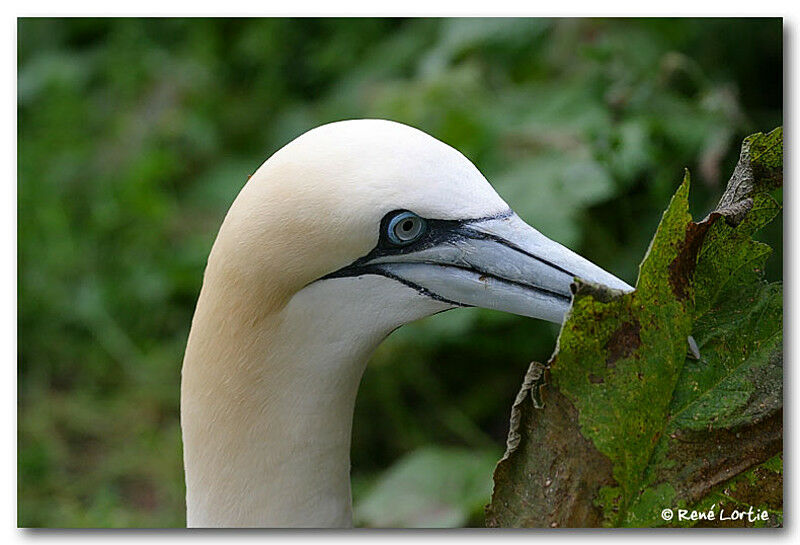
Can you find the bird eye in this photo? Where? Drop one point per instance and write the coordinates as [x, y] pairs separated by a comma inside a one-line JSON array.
[[405, 228]]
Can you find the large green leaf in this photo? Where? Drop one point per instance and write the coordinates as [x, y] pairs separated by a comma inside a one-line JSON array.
[[624, 424]]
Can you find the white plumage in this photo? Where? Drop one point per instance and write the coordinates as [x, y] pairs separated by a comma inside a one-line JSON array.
[[348, 232]]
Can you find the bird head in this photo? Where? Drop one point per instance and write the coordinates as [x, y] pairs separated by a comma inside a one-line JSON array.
[[388, 222]]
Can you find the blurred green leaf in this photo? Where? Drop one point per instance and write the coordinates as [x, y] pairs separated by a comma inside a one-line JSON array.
[[432, 487]]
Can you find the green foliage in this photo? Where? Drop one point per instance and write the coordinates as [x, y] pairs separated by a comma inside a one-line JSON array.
[[135, 136], [661, 429], [760, 488], [430, 488], [617, 359]]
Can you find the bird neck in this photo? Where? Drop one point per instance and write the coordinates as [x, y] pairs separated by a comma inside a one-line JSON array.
[[267, 402]]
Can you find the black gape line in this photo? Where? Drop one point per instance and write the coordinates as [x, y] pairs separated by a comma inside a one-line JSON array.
[[437, 232], [422, 291]]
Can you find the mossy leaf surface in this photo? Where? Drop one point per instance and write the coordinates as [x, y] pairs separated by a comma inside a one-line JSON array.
[[655, 399]]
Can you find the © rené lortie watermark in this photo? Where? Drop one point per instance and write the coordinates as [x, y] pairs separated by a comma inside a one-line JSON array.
[[713, 513]]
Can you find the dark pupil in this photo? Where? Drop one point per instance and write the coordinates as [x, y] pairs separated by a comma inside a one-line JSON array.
[[407, 225]]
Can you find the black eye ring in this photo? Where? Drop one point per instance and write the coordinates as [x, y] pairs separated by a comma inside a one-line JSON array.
[[405, 228]]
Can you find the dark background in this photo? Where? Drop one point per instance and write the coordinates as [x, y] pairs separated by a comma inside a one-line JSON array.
[[135, 135]]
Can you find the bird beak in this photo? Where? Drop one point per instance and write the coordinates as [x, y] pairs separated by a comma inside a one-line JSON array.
[[500, 263]]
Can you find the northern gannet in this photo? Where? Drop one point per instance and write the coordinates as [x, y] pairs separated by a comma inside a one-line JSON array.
[[346, 233]]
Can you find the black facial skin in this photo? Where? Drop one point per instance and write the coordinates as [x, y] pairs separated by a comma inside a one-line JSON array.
[[437, 232]]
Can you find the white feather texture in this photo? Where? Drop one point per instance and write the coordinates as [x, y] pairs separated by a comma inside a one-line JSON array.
[[273, 361], [276, 351]]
